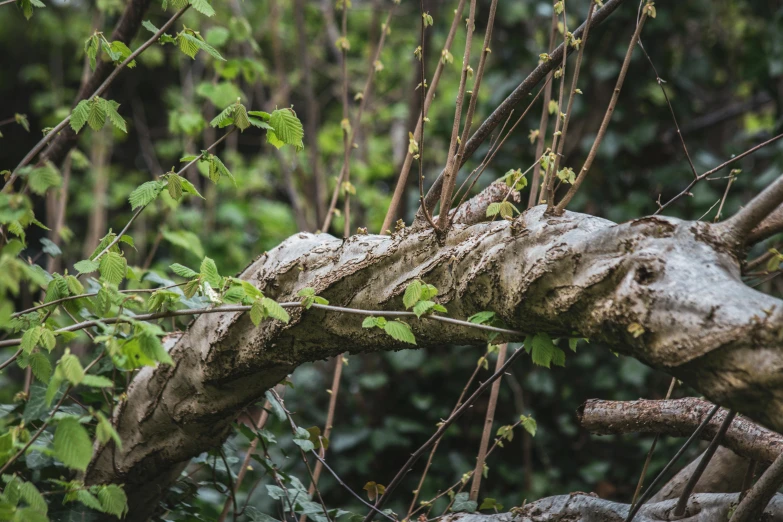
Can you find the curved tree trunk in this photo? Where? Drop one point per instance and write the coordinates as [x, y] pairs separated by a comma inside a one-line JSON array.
[[665, 291]]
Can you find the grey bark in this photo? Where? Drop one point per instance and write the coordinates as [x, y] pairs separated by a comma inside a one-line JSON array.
[[581, 507], [678, 280]]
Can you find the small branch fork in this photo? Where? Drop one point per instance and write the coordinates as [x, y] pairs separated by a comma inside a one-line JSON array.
[[100, 90]]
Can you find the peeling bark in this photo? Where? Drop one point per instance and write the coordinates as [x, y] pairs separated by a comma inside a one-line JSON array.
[[572, 273], [581, 507]]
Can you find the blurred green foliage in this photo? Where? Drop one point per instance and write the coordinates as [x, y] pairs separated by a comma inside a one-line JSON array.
[[721, 63]]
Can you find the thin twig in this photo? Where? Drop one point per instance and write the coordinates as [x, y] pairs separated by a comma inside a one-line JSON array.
[[439, 433], [682, 502], [488, 420], [402, 179], [752, 506], [100, 90], [674, 459], [607, 117]]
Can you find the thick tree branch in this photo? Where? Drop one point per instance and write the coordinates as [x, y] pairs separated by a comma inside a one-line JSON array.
[[581, 507], [679, 418], [676, 280], [740, 225]]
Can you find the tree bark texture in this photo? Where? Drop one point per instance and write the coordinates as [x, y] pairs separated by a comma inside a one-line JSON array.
[[676, 282]]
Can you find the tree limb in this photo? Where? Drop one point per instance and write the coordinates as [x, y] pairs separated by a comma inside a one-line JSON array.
[[679, 418], [676, 280]]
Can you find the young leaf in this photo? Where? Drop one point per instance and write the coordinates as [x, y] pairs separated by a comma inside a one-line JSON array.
[[274, 310], [113, 268], [113, 500], [71, 368], [145, 193], [87, 266], [257, 312], [183, 271], [288, 128], [400, 331], [422, 307], [412, 294], [203, 7], [210, 273], [72, 444], [110, 108], [79, 115]]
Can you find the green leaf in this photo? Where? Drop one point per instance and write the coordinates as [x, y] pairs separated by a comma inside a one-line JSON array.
[[370, 322], [188, 44], [542, 349], [462, 503], [96, 117], [183, 271], [79, 115], [185, 239], [87, 266], [30, 339], [210, 273], [273, 140], [493, 209], [97, 381], [71, 368], [240, 117], [265, 116], [175, 186], [188, 187], [412, 294], [529, 424], [149, 26], [88, 499], [302, 439], [274, 310], [288, 128], [257, 312], [41, 367], [105, 431], [42, 178], [110, 108], [113, 500], [399, 331], [225, 118], [203, 7], [72, 445], [490, 503], [482, 317], [145, 193], [33, 497], [113, 267], [422, 307]]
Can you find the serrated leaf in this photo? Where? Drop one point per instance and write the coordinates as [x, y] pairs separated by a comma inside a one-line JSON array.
[[174, 186], [33, 497], [72, 445], [110, 108], [41, 367], [30, 339], [370, 322], [145, 193], [482, 317], [412, 294], [113, 500], [149, 26], [71, 368], [225, 118], [105, 431], [183, 271], [203, 7], [399, 331], [79, 115], [188, 187], [257, 312], [113, 268], [209, 273], [96, 116], [288, 128], [422, 307], [541, 349], [529, 424], [88, 499], [240, 118], [185, 239], [87, 266], [274, 310]]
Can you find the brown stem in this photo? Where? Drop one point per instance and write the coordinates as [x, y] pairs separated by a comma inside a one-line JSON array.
[[574, 82], [520, 92], [739, 226], [682, 503], [607, 117], [488, 420], [772, 225], [544, 123], [747, 480], [402, 179], [438, 434], [752, 506]]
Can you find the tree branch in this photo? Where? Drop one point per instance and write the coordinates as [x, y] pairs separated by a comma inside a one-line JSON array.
[[740, 225], [679, 418], [538, 274]]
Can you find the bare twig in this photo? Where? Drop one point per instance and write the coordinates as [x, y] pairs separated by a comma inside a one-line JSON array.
[[682, 503], [402, 179], [752, 506], [488, 420], [439, 433], [607, 117]]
